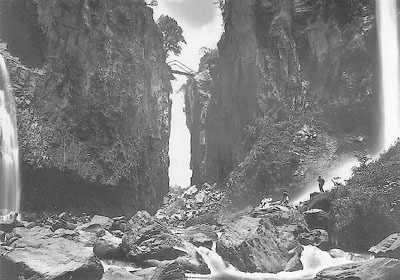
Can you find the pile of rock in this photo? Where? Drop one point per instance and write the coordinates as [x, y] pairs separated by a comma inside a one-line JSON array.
[[145, 247], [195, 205]]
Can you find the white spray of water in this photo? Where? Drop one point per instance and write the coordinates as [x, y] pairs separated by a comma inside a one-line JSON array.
[[340, 172], [389, 62], [312, 258], [10, 188]]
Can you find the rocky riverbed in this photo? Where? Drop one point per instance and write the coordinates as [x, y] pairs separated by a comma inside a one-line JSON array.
[[164, 246]]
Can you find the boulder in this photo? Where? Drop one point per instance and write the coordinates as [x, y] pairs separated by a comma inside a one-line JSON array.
[[316, 218], [108, 247], [168, 270], [114, 273], [388, 247], [199, 235], [96, 223], [376, 269], [338, 253], [294, 264], [145, 238], [316, 237], [39, 253], [255, 245]]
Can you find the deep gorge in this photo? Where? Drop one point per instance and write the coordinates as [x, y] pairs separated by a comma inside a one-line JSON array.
[[283, 67], [291, 91]]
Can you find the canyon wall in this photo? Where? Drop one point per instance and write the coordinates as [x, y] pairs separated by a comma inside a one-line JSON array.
[[92, 92], [292, 90]]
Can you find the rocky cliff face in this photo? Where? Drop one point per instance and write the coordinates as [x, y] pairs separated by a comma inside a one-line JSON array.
[[293, 78], [92, 91]]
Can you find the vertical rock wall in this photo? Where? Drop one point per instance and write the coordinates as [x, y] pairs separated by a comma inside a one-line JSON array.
[[92, 91], [284, 66]]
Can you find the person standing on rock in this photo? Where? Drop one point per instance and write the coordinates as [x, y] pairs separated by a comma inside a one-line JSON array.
[[321, 183], [285, 198]]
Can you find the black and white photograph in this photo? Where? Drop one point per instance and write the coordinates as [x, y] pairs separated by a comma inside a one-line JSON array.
[[199, 140]]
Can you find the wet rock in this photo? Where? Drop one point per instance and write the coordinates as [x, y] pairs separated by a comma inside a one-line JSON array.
[[255, 245], [294, 264], [338, 253], [145, 238], [316, 237], [316, 218], [38, 253], [168, 270], [199, 235], [388, 247], [119, 274], [380, 268]]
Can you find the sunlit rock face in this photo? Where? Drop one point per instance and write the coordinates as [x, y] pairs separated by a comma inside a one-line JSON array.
[[92, 91], [306, 67]]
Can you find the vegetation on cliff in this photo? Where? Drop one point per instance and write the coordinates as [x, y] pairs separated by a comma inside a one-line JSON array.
[[367, 209]]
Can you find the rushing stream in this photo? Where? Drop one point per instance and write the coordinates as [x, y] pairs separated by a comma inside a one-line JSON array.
[[312, 258], [9, 161]]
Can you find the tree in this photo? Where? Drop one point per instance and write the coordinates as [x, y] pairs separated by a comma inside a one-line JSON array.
[[172, 34]]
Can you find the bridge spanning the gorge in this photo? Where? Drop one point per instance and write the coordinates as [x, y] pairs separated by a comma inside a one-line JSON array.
[[180, 68]]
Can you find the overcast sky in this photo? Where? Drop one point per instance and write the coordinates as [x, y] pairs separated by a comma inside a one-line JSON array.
[[201, 22]]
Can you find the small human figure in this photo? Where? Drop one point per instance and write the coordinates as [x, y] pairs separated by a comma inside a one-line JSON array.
[[321, 183], [265, 202], [285, 198]]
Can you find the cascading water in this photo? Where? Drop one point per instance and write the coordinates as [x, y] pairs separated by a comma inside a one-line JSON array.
[[9, 160], [389, 63], [312, 258]]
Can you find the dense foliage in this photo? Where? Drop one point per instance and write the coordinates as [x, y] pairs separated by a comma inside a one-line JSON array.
[[367, 209]]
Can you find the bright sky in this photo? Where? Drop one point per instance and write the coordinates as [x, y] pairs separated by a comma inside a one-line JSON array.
[[201, 22]]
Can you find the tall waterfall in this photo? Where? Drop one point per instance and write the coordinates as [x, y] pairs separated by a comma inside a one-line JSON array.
[[389, 63], [10, 188]]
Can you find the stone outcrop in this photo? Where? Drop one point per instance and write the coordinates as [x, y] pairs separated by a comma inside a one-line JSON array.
[[286, 72], [388, 247], [259, 244], [146, 238], [381, 268], [39, 253], [92, 90]]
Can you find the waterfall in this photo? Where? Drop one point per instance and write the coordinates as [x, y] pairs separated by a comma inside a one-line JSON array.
[[9, 160], [389, 63]]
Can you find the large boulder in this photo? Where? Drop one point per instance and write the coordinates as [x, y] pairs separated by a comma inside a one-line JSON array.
[[388, 247], [168, 270], [96, 223], [199, 235], [376, 269], [145, 238], [40, 253], [256, 245], [316, 218], [108, 246]]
